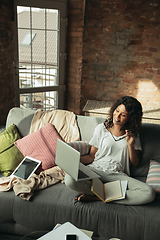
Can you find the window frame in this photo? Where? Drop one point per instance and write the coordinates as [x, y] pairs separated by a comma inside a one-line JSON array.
[[61, 6]]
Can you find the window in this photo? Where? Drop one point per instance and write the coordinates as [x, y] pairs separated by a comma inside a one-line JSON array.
[[40, 53], [27, 40]]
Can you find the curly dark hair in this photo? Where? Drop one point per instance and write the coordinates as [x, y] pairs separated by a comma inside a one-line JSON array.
[[134, 109]]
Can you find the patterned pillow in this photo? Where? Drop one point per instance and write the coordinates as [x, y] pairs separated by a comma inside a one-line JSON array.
[[153, 177], [81, 146], [40, 145]]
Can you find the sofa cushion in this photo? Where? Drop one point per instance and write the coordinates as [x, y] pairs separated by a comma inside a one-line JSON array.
[[40, 145], [153, 177], [57, 204], [81, 146], [87, 125], [149, 137], [10, 156]]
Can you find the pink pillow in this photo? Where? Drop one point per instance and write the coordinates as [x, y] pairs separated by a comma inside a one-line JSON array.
[[40, 145]]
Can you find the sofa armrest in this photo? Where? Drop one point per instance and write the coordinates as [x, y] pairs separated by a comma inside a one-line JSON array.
[[22, 118]]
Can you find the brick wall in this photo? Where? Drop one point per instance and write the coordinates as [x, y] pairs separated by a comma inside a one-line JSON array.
[[121, 52], [7, 83], [113, 50], [76, 10]]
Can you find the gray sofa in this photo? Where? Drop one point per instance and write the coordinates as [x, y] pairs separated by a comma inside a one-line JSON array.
[[56, 203]]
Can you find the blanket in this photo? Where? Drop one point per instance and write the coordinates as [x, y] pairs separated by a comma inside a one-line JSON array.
[[66, 125], [64, 122], [25, 188]]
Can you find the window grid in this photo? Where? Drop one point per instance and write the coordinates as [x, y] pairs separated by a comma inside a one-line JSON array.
[[28, 76]]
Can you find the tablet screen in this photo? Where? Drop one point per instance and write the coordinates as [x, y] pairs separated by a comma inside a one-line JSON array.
[[26, 168]]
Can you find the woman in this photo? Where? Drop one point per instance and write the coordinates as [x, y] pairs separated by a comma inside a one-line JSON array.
[[115, 145]]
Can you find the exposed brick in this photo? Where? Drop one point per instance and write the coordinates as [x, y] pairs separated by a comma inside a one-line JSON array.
[[157, 77], [115, 51], [152, 31], [153, 49], [151, 43], [141, 48], [136, 48], [150, 70]]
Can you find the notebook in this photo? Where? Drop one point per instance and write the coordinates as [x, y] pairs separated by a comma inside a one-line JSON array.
[[68, 159], [26, 168]]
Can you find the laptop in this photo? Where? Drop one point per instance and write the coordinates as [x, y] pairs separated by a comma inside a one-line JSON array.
[[68, 159], [26, 168]]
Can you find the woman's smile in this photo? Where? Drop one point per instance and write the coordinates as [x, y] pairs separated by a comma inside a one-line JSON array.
[[120, 115], [117, 120]]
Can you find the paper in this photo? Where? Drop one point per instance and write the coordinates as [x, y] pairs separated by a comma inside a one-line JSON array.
[[109, 191], [124, 189], [60, 233], [87, 232]]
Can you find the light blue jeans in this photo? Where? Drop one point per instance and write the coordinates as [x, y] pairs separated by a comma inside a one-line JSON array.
[[137, 192]]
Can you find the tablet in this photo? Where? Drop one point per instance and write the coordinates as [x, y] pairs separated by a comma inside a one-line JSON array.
[[26, 168]]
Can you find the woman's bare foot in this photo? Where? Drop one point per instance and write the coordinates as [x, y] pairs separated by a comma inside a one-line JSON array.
[[87, 198]]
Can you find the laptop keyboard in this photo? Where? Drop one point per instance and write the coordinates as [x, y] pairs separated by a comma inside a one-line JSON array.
[[82, 175]]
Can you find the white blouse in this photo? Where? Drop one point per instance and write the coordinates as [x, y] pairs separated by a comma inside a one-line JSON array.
[[112, 156]]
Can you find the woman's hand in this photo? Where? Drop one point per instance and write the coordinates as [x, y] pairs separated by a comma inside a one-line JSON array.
[[130, 137], [133, 154]]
